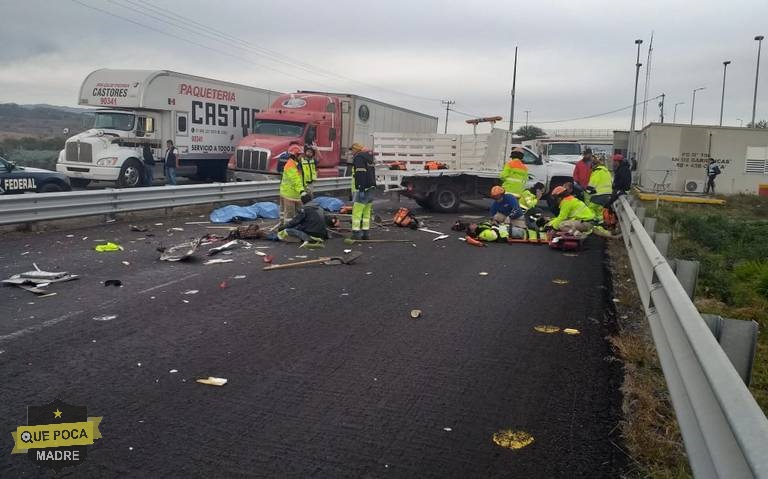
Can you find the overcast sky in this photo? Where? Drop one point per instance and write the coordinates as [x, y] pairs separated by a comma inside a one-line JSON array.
[[576, 58]]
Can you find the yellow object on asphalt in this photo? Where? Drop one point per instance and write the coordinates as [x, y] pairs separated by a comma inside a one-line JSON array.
[[512, 439], [546, 328]]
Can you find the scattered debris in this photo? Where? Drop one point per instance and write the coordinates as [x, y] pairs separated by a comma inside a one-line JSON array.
[[126, 263], [140, 229], [415, 313], [512, 439], [108, 247], [325, 260], [546, 328], [570, 255], [180, 252], [34, 281], [571, 331], [353, 241], [191, 291], [176, 229], [197, 222], [447, 429], [560, 281], [224, 284], [70, 236], [240, 276], [268, 259], [173, 371], [483, 273], [213, 381], [218, 261], [226, 246], [158, 224], [111, 220], [347, 251], [108, 317], [25, 253], [113, 282], [260, 253], [369, 273], [441, 237]]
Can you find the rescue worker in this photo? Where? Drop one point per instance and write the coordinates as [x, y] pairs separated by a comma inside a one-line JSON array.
[[310, 225], [488, 232], [529, 199], [514, 175], [583, 169], [505, 208], [308, 165], [575, 216], [600, 187], [363, 188], [291, 186], [622, 178]]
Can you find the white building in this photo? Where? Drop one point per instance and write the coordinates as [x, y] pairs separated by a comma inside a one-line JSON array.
[[673, 157]]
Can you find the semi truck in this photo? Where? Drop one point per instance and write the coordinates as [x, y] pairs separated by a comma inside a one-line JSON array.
[[440, 171], [331, 122], [204, 118], [566, 151]]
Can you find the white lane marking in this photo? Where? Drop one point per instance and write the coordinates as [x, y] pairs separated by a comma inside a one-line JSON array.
[[38, 327], [168, 283]]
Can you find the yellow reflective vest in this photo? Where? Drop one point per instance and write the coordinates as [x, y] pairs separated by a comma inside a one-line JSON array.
[[308, 169], [514, 177], [601, 180], [528, 200], [572, 208], [291, 185]]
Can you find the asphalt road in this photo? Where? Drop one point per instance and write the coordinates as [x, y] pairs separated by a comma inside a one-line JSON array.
[[328, 375]]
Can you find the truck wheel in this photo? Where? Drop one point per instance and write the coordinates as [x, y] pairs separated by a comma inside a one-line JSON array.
[[79, 182], [130, 174], [50, 188], [445, 199]]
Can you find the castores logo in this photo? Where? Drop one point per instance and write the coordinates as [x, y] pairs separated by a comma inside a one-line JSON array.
[[56, 435]]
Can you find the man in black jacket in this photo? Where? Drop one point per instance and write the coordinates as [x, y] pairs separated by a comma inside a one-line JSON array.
[[622, 178], [310, 225], [149, 164], [712, 171], [363, 187]]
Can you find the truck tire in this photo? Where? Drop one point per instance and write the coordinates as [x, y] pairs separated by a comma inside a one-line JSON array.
[[131, 174], [50, 188], [79, 182], [445, 199]]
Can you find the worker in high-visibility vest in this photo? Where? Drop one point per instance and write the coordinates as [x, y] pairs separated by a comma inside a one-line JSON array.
[[514, 175], [363, 188], [308, 165], [600, 187], [291, 186], [530, 197], [575, 216]]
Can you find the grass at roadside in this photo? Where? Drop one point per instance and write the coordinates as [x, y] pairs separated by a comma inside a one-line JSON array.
[[649, 428], [731, 243]]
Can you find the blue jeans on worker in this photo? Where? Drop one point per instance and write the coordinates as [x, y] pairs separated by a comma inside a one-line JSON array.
[[170, 175], [149, 174]]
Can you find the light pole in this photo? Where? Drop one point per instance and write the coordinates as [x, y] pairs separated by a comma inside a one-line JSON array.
[[674, 117], [741, 122], [722, 98], [512, 103], [693, 103], [447, 104], [526, 117], [759, 39], [631, 144]]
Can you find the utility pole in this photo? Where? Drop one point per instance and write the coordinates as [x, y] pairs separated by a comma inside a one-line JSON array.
[[447, 104], [759, 40], [647, 80], [512, 104], [630, 144], [674, 116], [526, 117], [661, 106], [722, 97]]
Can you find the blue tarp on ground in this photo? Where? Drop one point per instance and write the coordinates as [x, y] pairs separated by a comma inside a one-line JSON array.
[[229, 213], [329, 204]]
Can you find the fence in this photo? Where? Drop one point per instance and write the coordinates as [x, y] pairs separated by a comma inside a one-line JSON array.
[[724, 430], [28, 208]]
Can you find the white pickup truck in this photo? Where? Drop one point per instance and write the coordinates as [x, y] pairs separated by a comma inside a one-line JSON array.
[[472, 164]]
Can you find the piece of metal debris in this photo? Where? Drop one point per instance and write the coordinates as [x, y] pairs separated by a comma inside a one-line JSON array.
[[218, 261], [571, 331], [213, 381], [560, 281], [108, 317], [180, 252], [415, 313], [546, 328]]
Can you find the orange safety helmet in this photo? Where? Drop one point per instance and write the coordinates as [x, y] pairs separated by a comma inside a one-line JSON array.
[[294, 149], [559, 191], [497, 192]]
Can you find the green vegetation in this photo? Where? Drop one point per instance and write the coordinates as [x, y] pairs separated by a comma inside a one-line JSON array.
[[530, 132], [731, 242], [31, 151]]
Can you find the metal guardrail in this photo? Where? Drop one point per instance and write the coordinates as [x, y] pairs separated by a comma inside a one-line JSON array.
[[724, 430], [29, 208]]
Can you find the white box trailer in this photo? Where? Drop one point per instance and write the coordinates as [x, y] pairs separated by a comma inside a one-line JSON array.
[[204, 118], [361, 117], [473, 164]]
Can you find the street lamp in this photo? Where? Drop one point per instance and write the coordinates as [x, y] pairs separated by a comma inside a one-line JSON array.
[[526, 117], [630, 146], [741, 122], [674, 117], [759, 40], [693, 103], [722, 98]]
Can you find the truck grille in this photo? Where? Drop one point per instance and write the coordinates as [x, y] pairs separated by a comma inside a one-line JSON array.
[[255, 160], [79, 152]]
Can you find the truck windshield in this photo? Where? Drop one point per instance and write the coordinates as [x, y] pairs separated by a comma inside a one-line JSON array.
[[564, 149], [278, 128], [114, 121]]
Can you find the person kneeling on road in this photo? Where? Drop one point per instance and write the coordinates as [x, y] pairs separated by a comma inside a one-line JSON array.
[[575, 217], [505, 208], [309, 225]]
